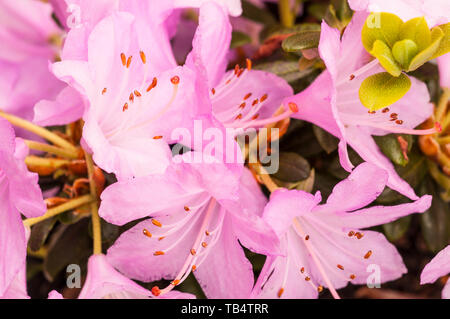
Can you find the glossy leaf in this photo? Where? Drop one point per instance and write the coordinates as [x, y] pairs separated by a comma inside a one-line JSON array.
[[381, 26], [239, 39], [382, 89], [301, 41], [293, 168], [384, 55], [390, 146]]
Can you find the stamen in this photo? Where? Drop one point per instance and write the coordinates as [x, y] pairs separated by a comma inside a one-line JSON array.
[[186, 208], [137, 93], [320, 289], [247, 96], [263, 98], [193, 252], [213, 91], [351, 233], [153, 84], [242, 105], [161, 238], [310, 248], [158, 253], [125, 107], [249, 64], [129, 61], [280, 292], [147, 233], [143, 57], [385, 110], [194, 267], [352, 276], [131, 98], [156, 223], [236, 69], [307, 237], [155, 291], [204, 244], [175, 80], [359, 235], [157, 137], [340, 267], [175, 282], [368, 254], [123, 58], [104, 91], [255, 101], [293, 107]]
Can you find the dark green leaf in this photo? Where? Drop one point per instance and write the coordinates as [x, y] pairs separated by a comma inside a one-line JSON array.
[[39, 233], [293, 168], [301, 41], [328, 142], [396, 229], [239, 39], [390, 146]]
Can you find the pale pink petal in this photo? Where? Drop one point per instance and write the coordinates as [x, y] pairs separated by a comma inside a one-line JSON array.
[[366, 147], [378, 215], [444, 74], [211, 42], [226, 272], [285, 204], [365, 183], [439, 266], [103, 280], [233, 6], [255, 95], [68, 107]]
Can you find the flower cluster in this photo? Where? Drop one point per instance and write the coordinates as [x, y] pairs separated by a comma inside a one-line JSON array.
[[129, 112]]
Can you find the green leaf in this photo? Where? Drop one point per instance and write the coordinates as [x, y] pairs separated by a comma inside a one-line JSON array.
[[39, 233], [328, 142], [444, 46], [288, 70], [425, 55], [301, 41], [239, 39], [417, 31], [293, 168], [404, 51], [69, 245], [381, 90], [390, 147], [396, 229], [384, 55], [254, 13], [381, 26], [435, 222]]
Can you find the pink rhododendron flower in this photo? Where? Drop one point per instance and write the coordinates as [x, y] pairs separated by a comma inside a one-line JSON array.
[[240, 98], [332, 102], [199, 212], [136, 96], [26, 32], [324, 244], [19, 193], [104, 282], [438, 267]]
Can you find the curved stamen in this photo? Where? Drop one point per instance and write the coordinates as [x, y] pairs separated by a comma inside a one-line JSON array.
[[366, 67], [188, 263], [264, 122], [310, 248]]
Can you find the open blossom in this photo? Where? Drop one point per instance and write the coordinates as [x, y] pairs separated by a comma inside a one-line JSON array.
[[324, 245], [198, 213], [26, 32], [104, 282], [241, 97], [19, 193], [332, 102], [135, 96], [438, 267]]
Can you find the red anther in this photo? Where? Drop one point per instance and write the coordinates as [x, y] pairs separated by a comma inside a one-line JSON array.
[[280, 292], [263, 98], [123, 58], [249, 64], [147, 233], [156, 291], [157, 137], [153, 84], [242, 105], [255, 101], [340, 267], [293, 107], [143, 57], [438, 127], [125, 107], [352, 76], [213, 91], [137, 93], [104, 91], [368, 254], [129, 61], [158, 253], [175, 80], [247, 96], [236, 69], [186, 208]]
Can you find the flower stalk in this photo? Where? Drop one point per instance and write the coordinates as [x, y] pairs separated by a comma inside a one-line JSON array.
[[96, 223], [71, 204]]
